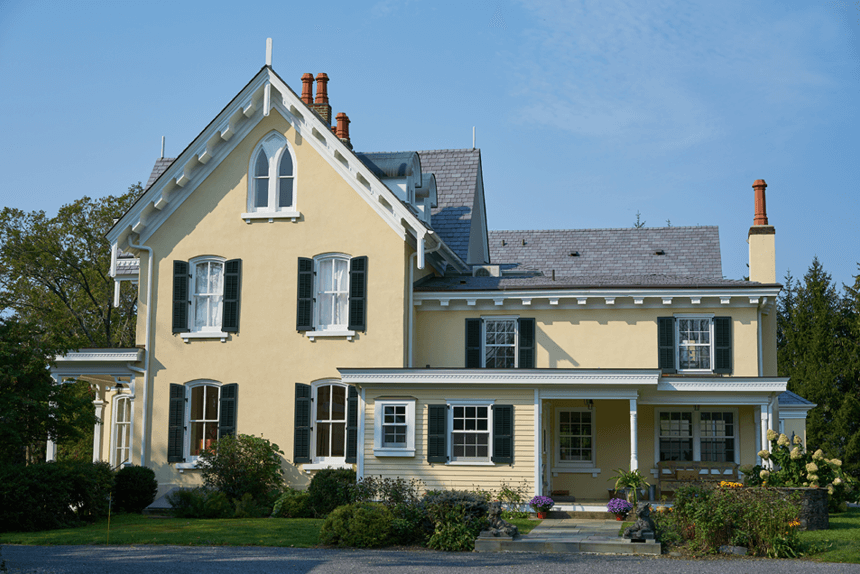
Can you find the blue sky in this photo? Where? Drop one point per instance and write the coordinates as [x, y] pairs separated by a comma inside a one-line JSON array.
[[586, 112]]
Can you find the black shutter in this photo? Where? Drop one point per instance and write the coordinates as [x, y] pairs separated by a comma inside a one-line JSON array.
[[352, 426], [302, 443], [358, 294], [723, 345], [666, 344], [180, 296], [503, 434], [227, 416], [474, 360], [232, 288], [305, 311], [526, 339], [437, 433], [176, 424]]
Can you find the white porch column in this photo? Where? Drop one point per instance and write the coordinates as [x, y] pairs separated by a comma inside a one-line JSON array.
[[51, 451], [97, 430], [538, 458], [634, 437], [757, 416], [764, 442]]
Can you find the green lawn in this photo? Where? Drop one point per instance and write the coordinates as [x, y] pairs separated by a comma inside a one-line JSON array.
[[137, 529], [841, 543]]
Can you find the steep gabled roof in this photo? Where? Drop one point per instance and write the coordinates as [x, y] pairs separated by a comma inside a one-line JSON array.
[[457, 173], [692, 253]]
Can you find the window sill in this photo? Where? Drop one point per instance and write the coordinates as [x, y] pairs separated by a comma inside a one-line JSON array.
[[471, 463], [314, 334], [556, 470], [205, 335], [271, 216], [390, 452], [323, 465], [183, 466]]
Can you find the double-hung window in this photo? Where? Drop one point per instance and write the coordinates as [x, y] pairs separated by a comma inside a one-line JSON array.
[[121, 450], [330, 422], [394, 428], [470, 432], [206, 293], [326, 425], [272, 180], [503, 342], [695, 344], [332, 295], [200, 413], [690, 435]]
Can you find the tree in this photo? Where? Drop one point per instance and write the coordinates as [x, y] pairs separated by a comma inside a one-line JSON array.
[[32, 407], [54, 273]]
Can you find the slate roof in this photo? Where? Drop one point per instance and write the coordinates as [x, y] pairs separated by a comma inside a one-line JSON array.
[[688, 252], [160, 167], [619, 281], [457, 175], [789, 399]]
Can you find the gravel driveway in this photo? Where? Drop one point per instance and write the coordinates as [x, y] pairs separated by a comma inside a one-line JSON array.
[[254, 560]]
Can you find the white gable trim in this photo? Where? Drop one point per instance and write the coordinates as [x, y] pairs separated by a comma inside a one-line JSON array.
[[229, 128]]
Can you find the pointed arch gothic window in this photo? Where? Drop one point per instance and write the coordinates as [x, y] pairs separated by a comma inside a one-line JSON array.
[[271, 177]]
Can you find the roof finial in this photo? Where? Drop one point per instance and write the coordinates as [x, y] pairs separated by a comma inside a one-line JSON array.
[[269, 52]]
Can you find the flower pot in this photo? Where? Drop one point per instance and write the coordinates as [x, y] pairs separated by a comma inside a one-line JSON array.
[[541, 515], [619, 517]]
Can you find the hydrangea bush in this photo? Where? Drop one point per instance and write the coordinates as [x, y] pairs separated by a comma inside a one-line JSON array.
[[794, 467]]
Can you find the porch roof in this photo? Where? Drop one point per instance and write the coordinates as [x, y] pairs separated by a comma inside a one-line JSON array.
[[96, 364]]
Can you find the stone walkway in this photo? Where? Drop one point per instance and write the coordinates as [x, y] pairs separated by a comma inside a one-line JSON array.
[[570, 535]]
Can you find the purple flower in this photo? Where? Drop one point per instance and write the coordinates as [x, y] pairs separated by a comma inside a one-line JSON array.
[[619, 506], [542, 503]]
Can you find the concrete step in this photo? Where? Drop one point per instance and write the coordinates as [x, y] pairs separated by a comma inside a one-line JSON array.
[[572, 545]]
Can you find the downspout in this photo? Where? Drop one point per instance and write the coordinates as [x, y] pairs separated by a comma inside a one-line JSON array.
[[145, 370], [409, 320]]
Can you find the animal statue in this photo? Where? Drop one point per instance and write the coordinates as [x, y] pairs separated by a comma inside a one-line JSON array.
[[499, 527], [644, 526]]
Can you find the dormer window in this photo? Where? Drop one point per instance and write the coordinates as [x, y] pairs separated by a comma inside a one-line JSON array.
[[271, 180]]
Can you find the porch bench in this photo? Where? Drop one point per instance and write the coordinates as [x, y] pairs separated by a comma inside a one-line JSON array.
[[672, 474]]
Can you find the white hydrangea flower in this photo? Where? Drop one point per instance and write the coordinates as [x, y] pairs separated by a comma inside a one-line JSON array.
[[795, 453], [811, 467], [797, 440], [764, 474], [764, 454], [783, 440], [837, 481], [818, 455], [771, 434]]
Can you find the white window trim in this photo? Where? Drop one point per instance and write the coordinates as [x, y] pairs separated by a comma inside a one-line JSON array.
[[378, 409], [208, 332], [340, 330], [191, 461], [331, 461], [515, 319], [275, 145], [114, 428], [570, 465], [314, 334], [710, 317], [450, 438], [697, 445]]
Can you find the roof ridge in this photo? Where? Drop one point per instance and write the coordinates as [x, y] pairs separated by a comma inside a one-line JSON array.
[[605, 229]]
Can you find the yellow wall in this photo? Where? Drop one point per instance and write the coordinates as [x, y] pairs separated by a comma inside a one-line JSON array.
[[587, 339], [437, 476], [268, 356]]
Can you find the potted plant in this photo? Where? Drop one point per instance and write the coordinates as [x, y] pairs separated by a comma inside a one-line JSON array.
[[632, 480], [541, 505], [619, 507]]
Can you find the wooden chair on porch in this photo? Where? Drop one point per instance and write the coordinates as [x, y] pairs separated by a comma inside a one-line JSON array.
[[672, 474]]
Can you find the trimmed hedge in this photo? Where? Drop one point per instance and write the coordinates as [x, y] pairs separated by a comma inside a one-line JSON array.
[[53, 495], [331, 488], [134, 489]]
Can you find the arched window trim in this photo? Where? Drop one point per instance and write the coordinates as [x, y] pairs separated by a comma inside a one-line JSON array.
[[189, 387], [115, 427], [321, 327], [271, 211], [334, 462]]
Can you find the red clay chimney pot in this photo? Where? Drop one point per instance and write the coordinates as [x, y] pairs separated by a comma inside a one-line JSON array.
[[760, 206], [342, 126], [322, 88], [308, 88]]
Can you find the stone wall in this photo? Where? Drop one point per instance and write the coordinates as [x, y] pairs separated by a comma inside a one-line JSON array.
[[813, 508]]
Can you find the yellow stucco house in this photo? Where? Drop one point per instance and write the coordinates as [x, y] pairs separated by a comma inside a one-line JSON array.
[[354, 309]]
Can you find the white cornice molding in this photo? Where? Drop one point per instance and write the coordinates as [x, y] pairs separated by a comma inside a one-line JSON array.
[[499, 377], [101, 355], [228, 129], [599, 297], [725, 384]]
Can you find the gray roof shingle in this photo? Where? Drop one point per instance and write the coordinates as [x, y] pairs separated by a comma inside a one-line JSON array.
[[787, 398], [509, 283], [688, 252], [160, 167]]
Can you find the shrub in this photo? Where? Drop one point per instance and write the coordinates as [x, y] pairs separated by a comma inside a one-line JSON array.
[[331, 488], [458, 518], [200, 502], [52, 495], [762, 519], [361, 525], [388, 491], [134, 488], [293, 504], [795, 467], [244, 464]]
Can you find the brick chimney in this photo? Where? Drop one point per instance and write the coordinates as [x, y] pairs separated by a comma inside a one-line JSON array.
[[308, 89], [342, 131], [761, 240], [321, 105]]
